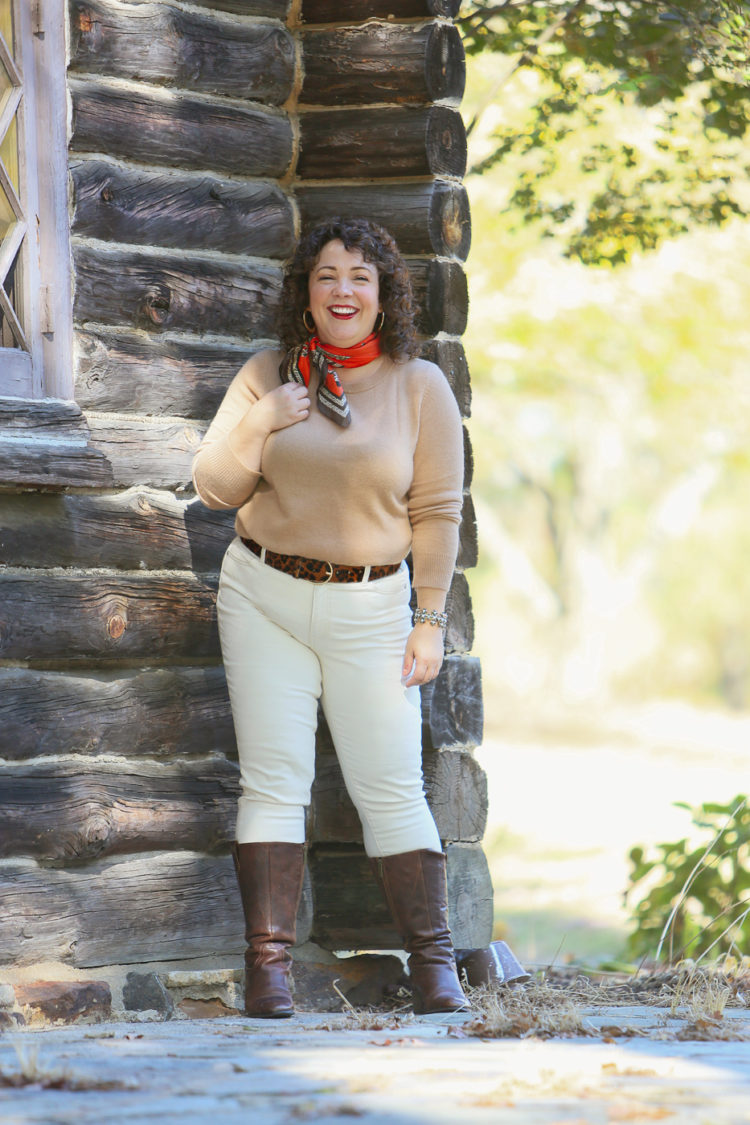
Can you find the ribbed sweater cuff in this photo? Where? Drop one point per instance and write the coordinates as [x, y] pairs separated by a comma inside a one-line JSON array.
[[435, 571]]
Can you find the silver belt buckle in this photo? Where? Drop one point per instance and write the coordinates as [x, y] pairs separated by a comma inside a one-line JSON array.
[[329, 576]]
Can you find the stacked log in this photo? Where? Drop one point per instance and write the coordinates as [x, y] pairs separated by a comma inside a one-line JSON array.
[[202, 136]]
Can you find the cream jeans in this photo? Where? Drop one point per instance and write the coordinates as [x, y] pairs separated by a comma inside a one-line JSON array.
[[288, 643]]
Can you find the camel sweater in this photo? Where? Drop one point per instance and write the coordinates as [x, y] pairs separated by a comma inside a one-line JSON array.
[[366, 494]]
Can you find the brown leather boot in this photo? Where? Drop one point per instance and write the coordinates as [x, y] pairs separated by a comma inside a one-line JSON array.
[[270, 878], [414, 885]]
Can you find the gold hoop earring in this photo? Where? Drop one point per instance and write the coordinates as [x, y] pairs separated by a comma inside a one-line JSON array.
[[379, 327], [310, 328]]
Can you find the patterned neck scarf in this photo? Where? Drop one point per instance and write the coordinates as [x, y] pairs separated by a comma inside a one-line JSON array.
[[298, 363]]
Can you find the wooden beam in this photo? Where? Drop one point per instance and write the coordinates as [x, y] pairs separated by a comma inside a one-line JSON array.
[[130, 371], [442, 292], [72, 619], [152, 126], [459, 636], [61, 811], [332, 11], [181, 210], [468, 547], [165, 45], [455, 785], [350, 912], [163, 714], [383, 62], [139, 529], [52, 465], [275, 9], [424, 218], [450, 357], [452, 710], [157, 453], [149, 908], [156, 292], [368, 143], [44, 445]]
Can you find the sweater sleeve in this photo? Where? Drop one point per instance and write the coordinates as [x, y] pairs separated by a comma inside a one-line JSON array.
[[436, 493], [221, 479]]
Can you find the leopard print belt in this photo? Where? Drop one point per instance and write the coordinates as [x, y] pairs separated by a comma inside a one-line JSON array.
[[315, 570]]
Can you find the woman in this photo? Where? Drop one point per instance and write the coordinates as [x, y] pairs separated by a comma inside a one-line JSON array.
[[341, 453]]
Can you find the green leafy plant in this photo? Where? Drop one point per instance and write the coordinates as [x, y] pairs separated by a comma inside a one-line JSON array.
[[694, 899], [679, 73]]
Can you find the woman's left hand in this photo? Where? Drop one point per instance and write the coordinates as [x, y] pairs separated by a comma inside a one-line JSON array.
[[423, 656]]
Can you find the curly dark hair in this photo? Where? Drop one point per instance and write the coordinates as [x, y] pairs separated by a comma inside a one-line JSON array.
[[398, 336]]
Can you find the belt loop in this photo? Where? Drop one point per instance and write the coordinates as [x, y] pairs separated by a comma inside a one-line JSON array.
[[263, 554], [366, 575]]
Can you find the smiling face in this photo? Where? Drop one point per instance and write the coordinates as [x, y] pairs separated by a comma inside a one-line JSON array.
[[344, 295]]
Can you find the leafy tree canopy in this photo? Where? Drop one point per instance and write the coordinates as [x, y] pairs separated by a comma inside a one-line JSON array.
[[683, 70]]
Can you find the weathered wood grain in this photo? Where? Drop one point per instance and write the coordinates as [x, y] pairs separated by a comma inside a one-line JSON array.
[[332, 11], [277, 9], [63, 812], [44, 445], [49, 416], [442, 291], [156, 127], [456, 788], [424, 218], [468, 539], [158, 713], [450, 357], [350, 912], [452, 710], [181, 210], [470, 896], [156, 453], [139, 529], [455, 785], [71, 618], [351, 143], [468, 460], [51, 465], [164, 907], [459, 636], [162, 714], [163, 44], [130, 371], [158, 292], [383, 62]]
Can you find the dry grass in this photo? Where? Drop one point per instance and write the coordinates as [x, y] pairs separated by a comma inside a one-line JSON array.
[[725, 984], [368, 1019], [534, 1009], [31, 1072], [557, 1002]]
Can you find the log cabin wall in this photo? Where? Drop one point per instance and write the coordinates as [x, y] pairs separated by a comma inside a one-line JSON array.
[[203, 135]]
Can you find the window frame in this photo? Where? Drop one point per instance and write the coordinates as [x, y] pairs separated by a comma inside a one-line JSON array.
[[40, 28]]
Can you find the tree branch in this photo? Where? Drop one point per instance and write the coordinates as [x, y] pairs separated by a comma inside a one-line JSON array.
[[524, 59]]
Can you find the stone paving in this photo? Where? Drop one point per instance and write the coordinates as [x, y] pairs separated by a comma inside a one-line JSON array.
[[319, 1068]]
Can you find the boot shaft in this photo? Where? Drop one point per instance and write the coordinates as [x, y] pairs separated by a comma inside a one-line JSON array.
[[270, 877]]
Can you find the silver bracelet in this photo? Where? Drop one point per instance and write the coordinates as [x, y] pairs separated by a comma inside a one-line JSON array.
[[430, 617]]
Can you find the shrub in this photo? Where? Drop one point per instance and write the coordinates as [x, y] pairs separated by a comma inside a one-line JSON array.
[[694, 899]]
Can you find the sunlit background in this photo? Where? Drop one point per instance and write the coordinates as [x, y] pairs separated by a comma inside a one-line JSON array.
[[610, 417]]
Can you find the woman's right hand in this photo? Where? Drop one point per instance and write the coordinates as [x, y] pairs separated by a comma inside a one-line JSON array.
[[283, 406]]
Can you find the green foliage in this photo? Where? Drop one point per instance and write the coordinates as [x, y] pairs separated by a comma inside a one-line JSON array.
[[663, 63], [697, 895]]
